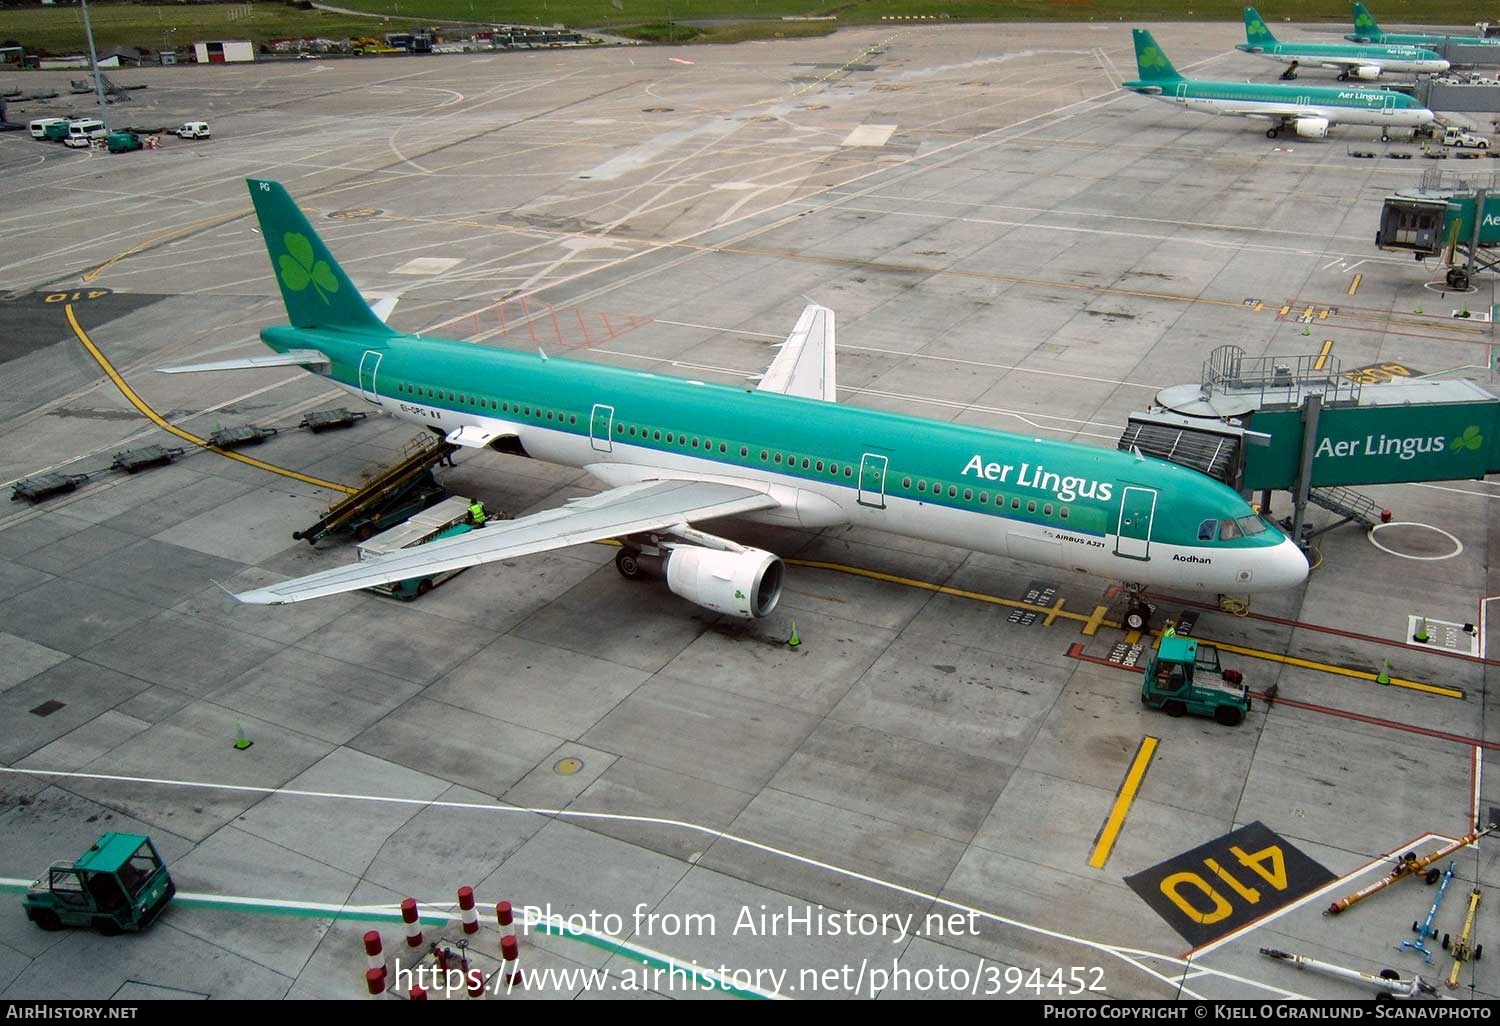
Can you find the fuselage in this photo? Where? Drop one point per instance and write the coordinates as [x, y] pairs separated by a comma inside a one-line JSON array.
[[1408, 59], [1075, 507], [1417, 39], [1338, 106]]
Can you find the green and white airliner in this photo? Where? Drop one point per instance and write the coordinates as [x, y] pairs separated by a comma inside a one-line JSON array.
[[1305, 110], [1363, 62], [673, 453], [1367, 31]]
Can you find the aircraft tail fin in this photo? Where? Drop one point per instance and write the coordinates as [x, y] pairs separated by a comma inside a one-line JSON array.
[[1150, 62], [317, 292], [1256, 33], [1364, 23]]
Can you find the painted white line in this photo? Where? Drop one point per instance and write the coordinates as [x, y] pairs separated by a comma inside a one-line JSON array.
[[1124, 954], [1476, 780], [1484, 607], [1458, 546], [1460, 491]]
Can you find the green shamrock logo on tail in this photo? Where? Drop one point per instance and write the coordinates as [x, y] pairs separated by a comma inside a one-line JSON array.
[[1364, 21], [1151, 57], [1471, 439], [299, 270]]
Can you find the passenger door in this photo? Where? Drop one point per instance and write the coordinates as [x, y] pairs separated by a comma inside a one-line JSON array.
[[1133, 535], [601, 423], [872, 468], [369, 365]]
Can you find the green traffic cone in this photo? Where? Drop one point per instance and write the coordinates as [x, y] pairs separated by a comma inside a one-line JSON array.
[[1384, 676], [1421, 637], [793, 641], [241, 742]]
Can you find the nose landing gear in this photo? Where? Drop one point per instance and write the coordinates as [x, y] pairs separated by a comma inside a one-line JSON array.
[[1138, 611]]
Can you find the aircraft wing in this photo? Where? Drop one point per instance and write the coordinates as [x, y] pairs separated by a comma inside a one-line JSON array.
[[1345, 63], [633, 508], [805, 364], [1279, 113], [312, 359]]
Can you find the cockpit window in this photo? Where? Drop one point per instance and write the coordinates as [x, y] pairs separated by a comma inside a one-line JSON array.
[[1251, 525], [1208, 530], [1228, 530]]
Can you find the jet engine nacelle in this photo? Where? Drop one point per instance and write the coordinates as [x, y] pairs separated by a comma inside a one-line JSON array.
[[1312, 128], [745, 583], [1368, 72]]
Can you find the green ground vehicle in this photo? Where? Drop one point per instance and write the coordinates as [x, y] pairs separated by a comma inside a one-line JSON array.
[[124, 142], [57, 131], [119, 884], [1183, 676]]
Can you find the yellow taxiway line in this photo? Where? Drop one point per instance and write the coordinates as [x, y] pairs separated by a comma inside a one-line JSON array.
[[1104, 843], [187, 436]]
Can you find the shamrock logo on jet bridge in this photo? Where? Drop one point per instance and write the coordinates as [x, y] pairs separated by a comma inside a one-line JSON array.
[[299, 269], [1471, 439]]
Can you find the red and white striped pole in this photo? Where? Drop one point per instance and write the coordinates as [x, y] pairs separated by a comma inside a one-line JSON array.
[[417, 993], [374, 958], [375, 981], [467, 911], [413, 924], [503, 913], [510, 953]]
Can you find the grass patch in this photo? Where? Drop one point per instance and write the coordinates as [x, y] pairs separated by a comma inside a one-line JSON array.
[[59, 30], [725, 32]]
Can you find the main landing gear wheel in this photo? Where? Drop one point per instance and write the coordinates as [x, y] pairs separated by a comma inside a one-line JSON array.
[[1385, 136], [1272, 133], [1457, 278], [628, 562]]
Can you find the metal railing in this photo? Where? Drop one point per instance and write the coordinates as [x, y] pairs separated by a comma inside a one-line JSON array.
[[1276, 380]]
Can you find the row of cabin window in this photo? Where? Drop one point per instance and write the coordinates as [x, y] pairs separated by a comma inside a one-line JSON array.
[[766, 455], [984, 498], [672, 438], [424, 392]]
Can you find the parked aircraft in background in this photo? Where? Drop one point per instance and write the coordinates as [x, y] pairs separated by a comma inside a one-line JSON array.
[[1306, 110], [673, 453], [1363, 62], [1366, 31]]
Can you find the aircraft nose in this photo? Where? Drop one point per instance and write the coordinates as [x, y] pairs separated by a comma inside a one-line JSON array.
[[1286, 567]]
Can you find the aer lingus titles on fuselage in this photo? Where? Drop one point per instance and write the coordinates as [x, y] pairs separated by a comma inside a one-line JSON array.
[[1363, 62], [674, 452], [1306, 110]]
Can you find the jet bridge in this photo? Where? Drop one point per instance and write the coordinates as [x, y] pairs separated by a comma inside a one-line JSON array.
[[1286, 423], [1454, 217]]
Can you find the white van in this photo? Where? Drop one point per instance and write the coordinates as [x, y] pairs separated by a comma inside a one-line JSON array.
[[84, 131], [39, 126], [193, 130]]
